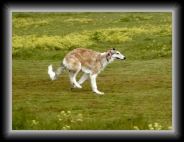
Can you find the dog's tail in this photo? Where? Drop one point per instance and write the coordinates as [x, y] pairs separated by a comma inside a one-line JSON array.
[[54, 75]]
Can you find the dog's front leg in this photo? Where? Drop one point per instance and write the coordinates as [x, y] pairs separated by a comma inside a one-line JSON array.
[[93, 84], [83, 78]]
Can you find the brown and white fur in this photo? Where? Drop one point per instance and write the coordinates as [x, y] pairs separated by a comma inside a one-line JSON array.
[[87, 60]]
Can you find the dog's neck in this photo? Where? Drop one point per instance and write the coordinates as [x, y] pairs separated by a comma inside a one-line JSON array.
[[105, 59]]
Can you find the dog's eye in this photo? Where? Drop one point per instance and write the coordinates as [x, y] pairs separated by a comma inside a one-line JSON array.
[[117, 53]]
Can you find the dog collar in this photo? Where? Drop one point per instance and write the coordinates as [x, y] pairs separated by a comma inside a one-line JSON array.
[[107, 57]]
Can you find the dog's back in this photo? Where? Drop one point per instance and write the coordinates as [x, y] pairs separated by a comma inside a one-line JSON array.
[[86, 57]]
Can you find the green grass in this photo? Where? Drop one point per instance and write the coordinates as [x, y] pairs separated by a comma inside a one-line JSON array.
[[138, 90]]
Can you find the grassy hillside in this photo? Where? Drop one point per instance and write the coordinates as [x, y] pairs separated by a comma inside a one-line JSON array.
[[138, 90]]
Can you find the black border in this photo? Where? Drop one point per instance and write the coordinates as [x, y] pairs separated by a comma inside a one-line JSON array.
[[6, 10]]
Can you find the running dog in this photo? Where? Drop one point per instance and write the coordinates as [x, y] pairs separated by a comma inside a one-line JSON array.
[[87, 60]]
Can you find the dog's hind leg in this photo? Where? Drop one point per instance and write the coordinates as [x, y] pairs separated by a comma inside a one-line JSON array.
[[93, 84], [73, 81], [74, 66], [81, 80]]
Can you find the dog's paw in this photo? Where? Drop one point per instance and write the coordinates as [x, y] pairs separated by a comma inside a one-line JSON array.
[[78, 86], [75, 85], [98, 92], [101, 93]]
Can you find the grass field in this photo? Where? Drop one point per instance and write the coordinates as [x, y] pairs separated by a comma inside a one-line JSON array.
[[138, 90]]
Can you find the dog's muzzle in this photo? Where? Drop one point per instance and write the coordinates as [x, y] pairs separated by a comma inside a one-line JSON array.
[[120, 58]]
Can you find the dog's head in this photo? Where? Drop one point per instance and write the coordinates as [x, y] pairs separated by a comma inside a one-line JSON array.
[[113, 53]]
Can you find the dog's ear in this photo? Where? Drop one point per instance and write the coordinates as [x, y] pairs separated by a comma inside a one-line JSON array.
[[112, 49]]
